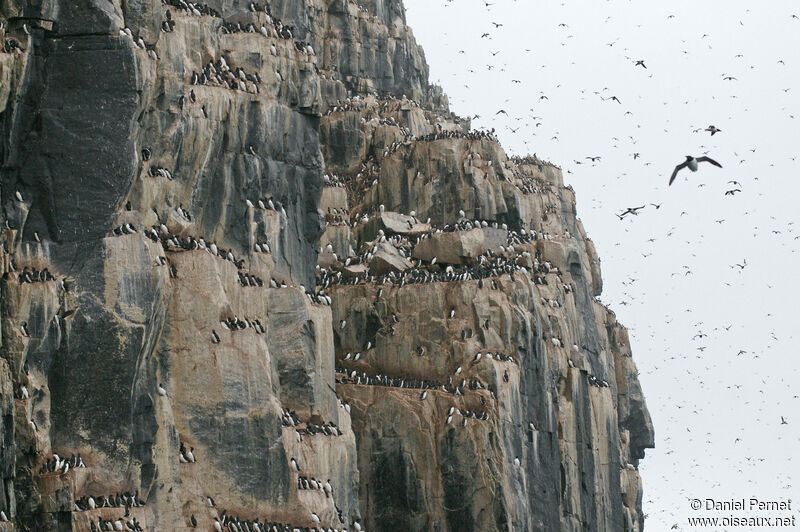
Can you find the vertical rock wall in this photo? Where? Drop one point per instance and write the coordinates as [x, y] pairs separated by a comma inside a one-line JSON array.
[[220, 223]]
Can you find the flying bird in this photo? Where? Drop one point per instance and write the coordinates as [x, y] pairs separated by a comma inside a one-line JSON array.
[[692, 163], [631, 210]]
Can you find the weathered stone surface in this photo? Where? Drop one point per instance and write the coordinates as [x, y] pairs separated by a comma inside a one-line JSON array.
[[388, 259], [461, 247], [401, 224]]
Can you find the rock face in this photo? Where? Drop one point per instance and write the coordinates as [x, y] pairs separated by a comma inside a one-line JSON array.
[[253, 269]]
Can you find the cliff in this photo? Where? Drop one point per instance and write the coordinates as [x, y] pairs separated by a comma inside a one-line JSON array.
[[256, 274]]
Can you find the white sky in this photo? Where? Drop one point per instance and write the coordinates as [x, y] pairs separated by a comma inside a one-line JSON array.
[[717, 414]]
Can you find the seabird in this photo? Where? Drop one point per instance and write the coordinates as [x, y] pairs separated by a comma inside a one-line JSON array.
[[692, 163], [713, 129], [630, 210], [161, 391]]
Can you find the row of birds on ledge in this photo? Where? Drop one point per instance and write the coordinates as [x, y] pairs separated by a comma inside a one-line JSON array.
[[359, 377], [115, 525], [238, 525], [289, 418], [56, 464], [465, 415], [119, 500], [305, 483], [489, 265], [32, 275]]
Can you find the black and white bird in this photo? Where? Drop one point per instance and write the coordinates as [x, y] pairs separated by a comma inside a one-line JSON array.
[[692, 163], [630, 210]]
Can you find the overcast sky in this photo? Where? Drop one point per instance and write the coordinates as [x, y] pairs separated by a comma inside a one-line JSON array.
[[670, 274]]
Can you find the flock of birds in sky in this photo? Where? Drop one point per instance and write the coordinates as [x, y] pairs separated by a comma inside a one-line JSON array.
[[717, 373]]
